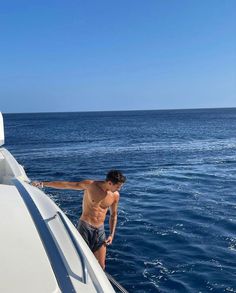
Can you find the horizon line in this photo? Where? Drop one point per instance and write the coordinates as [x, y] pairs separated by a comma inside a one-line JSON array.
[[131, 110]]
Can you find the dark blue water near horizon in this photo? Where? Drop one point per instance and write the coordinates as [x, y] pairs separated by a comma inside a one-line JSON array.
[[176, 228]]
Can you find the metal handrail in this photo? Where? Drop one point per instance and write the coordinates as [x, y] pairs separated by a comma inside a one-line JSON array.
[[116, 284], [77, 248]]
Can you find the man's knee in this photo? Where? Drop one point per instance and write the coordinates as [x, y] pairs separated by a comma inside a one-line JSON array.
[[103, 267], [102, 264]]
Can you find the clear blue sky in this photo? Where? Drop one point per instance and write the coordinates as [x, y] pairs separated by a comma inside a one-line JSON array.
[[117, 55]]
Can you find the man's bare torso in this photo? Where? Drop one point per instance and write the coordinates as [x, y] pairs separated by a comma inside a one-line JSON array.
[[96, 202]]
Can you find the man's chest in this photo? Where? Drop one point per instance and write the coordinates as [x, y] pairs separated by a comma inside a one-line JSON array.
[[103, 200]]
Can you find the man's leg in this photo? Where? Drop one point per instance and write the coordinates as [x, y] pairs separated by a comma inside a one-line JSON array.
[[100, 255]]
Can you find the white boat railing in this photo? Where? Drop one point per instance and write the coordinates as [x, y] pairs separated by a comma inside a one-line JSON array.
[[77, 248]]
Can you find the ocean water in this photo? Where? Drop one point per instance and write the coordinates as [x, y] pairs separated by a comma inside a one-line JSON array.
[[176, 228]]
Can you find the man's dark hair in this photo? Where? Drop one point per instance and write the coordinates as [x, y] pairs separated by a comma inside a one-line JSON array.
[[115, 177]]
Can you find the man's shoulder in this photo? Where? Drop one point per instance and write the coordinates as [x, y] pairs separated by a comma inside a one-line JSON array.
[[88, 181], [80, 185], [95, 186], [97, 183], [116, 195]]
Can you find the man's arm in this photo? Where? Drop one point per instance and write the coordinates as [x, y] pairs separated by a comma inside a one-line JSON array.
[[82, 185], [113, 219]]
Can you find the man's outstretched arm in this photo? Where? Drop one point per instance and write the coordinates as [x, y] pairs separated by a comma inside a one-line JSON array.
[[82, 185]]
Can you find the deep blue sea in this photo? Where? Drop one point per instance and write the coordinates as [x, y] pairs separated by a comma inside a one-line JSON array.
[[176, 228]]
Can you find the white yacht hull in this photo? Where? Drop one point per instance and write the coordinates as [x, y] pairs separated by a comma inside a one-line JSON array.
[[41, 250]]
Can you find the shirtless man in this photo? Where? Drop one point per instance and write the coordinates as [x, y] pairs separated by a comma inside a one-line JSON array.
[[99, 196]]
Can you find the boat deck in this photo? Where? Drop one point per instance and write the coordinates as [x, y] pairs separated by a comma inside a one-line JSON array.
[[24, 264]]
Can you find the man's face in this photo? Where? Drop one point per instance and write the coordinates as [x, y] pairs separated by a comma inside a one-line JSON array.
[[115, 187]]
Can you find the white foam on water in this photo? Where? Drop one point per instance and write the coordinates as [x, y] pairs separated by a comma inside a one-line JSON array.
[[155, 272]]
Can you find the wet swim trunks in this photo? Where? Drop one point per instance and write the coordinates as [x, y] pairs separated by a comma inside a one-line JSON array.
[[93, 236]]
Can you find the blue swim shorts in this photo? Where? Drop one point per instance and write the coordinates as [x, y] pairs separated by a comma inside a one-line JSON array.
[[94, 236]]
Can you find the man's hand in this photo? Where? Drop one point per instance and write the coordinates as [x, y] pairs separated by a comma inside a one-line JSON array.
[[109, 240], [37, 184]]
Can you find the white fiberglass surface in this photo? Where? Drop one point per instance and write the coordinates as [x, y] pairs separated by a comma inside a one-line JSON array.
[[24, 264]]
